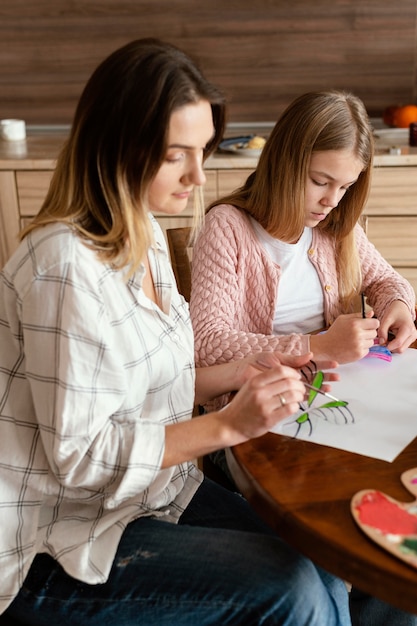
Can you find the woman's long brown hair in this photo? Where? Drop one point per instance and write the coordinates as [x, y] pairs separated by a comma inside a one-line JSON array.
[[117, 143]]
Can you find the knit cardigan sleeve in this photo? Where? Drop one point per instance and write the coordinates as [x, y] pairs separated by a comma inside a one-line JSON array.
[[233, 294]]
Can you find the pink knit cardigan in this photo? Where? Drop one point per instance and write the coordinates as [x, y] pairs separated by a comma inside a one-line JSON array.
[[235, 284]]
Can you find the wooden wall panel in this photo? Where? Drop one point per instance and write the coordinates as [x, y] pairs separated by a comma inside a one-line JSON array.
[[262, 54]]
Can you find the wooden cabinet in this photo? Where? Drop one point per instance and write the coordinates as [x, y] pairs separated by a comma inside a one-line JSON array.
[[9, 215], [390, 216], [227, 180], [22, 191], [31, 190]]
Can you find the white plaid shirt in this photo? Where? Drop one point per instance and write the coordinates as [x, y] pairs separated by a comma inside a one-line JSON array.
[[90, 373]]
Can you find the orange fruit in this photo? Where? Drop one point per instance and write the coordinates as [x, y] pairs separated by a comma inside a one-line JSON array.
[[403, 116]]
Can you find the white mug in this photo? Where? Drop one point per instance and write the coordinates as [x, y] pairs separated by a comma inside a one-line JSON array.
[[13, 130]]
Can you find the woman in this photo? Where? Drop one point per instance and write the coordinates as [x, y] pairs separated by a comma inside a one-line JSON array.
[[284, 255], [105, 518]]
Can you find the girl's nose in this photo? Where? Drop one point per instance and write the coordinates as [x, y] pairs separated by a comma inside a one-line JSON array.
[[330, 199]]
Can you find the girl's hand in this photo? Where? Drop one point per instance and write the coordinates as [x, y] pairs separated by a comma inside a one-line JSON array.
[[348, 338], [398, 320]]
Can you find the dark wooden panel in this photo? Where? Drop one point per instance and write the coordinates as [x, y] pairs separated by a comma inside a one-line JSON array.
[[262, 54]]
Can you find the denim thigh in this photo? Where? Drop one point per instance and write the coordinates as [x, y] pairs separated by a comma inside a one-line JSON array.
[[220, 565]]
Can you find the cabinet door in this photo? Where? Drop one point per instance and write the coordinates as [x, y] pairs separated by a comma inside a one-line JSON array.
[[31, 190], [9, 215], [394, 191], [410, 273], [210, 190], [395, 238], [228, 180]]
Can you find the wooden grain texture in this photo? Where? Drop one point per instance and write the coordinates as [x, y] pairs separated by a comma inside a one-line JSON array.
[[303, 490], [261, 54]]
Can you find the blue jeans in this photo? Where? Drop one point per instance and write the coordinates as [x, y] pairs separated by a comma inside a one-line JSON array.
[[220, 565], [368, 611]]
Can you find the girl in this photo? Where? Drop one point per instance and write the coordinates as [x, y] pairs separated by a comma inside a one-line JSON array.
[[284, 255]]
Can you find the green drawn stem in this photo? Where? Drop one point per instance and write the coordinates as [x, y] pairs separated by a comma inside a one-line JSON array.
[[317, 383]]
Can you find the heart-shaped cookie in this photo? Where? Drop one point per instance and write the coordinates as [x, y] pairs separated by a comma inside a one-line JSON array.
[[391, 524]]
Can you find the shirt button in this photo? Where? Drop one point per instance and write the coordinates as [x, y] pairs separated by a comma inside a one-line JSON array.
[[311, 251], [327, 287]]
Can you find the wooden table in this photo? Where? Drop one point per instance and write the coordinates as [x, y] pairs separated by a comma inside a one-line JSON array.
[[303, 490]]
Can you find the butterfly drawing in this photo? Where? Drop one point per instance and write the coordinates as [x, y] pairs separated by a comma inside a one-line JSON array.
[[334, 411]]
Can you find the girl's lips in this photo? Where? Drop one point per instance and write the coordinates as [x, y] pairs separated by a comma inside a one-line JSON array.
[[319, 216]]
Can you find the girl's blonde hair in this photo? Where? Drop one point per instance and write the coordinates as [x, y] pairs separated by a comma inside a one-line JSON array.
[[274, 194], [117, 143]]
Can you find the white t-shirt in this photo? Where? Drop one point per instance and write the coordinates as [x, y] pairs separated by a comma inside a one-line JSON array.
[[299, 304]]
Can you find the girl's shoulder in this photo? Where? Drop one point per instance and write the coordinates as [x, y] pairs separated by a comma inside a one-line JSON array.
[[230, 220], [230, 229], [227, 212]]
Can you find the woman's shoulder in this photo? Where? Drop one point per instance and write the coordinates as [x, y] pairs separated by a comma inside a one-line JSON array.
[[50, 250], [44, 245]]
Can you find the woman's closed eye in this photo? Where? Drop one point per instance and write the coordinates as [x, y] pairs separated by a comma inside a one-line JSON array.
[[175, 157]]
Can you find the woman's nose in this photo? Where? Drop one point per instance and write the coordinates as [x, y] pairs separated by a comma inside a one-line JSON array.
[[195, 173], [200, 177]]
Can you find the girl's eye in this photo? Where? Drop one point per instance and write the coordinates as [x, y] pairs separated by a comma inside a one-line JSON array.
[[319, 184]]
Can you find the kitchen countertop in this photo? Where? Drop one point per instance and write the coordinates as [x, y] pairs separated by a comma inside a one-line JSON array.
[[41, 148]]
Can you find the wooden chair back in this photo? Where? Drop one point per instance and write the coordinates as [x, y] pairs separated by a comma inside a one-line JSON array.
[[180, 251]]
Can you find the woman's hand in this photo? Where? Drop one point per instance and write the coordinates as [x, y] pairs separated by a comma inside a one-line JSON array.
[[266, 398], [348, 339], [398, 320], [246, 368], [309, 366], [305, 363], [270, 387]]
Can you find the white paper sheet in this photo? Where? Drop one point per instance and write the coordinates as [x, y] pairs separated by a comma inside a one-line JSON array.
[[382, 399]]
